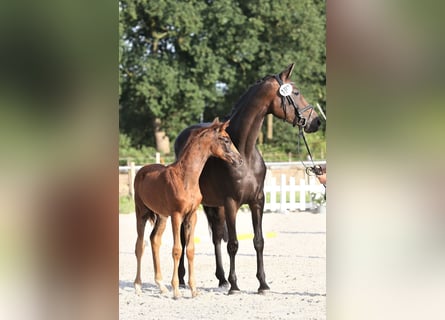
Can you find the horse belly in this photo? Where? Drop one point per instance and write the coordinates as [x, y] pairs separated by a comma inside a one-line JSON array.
[[216, 190]]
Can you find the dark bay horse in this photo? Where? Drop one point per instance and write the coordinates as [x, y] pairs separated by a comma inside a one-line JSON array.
[[225, 188], [173, 190]]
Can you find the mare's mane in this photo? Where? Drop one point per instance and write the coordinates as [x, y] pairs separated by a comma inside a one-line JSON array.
[[245, 96]]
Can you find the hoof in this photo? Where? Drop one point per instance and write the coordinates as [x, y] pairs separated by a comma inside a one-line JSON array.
[[163, 289], [223, 284], [138, 289], [177, 296], [234, 291], [195, 293], [263, 291], [182, 286]]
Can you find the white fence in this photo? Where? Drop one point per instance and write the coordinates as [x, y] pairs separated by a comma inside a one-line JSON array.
[[290, 196], [283, 196]]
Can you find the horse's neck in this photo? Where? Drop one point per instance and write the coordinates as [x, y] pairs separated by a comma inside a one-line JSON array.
[[191, 163], [245, 125]]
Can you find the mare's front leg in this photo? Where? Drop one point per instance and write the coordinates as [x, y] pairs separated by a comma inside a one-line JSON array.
[[216, 219], [156, 241], [176, 218], [231, 209], [181, 268], [189, 233], [258, 241]]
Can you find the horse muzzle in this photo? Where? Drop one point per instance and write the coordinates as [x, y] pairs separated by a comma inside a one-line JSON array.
[[236, 160], [313, 125]]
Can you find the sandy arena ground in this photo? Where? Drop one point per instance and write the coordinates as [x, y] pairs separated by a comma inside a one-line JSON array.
[[295, 266]]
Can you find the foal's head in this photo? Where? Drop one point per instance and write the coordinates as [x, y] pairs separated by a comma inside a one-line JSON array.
[[220, 144]]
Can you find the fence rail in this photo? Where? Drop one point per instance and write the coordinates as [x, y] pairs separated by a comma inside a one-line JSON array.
[[283, 196]]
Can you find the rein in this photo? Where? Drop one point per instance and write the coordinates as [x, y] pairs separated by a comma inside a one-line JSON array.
[[314, 169]]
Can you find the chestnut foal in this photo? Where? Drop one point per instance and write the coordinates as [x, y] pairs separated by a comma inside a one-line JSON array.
[[173, 191]]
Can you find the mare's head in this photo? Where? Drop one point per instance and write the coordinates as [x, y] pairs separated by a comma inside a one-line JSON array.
[[220, 144], [289, 104]]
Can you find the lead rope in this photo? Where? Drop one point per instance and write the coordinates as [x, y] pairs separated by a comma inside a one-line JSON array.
[[315, 169]]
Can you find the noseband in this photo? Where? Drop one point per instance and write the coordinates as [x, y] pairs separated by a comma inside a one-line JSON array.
[[299, 119]]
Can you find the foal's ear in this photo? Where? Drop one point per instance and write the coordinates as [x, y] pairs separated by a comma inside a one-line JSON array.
[[225, 125], [215, 121], [286, 73]]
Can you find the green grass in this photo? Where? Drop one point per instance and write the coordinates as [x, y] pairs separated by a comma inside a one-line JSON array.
[[126, 204], [297, 197]]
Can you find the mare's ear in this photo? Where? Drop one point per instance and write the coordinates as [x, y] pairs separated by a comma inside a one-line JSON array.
[[286, 73]]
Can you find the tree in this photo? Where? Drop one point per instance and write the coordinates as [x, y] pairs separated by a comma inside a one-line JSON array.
[[187, 60]]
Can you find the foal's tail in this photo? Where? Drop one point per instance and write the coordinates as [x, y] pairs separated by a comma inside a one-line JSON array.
[[143, 211], [226, 233]]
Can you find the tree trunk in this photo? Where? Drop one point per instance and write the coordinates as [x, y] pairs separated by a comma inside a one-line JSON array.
[[162, 141]]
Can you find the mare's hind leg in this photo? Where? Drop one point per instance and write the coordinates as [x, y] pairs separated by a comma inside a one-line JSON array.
[[189, 232], [156, 240], [258, 241], [141, 220], [216, 219]]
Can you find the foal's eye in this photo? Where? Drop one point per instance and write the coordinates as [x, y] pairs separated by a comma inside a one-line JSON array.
[[296, 93]]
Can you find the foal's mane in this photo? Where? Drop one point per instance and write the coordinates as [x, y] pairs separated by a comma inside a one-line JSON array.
[[195, 133]]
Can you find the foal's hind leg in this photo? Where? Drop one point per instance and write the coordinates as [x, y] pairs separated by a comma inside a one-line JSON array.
[[156, 240], [141, 220]]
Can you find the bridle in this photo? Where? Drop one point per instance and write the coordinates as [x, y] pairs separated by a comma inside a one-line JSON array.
[[286, 94]]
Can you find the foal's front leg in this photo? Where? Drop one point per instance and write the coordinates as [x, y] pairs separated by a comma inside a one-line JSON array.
[[189, 230], [176, 252]]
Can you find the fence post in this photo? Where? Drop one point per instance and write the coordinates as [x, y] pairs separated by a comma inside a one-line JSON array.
[[292, 193], [158, 157], [283, 194], [273, 195], [302, 194], [131, 173]]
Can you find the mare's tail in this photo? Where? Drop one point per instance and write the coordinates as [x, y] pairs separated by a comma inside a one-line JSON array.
[[217, 222]]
